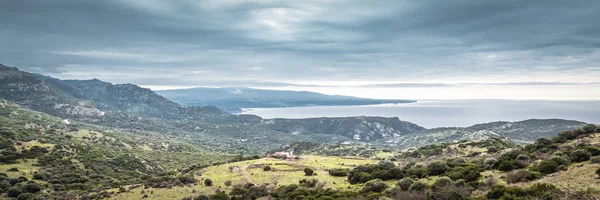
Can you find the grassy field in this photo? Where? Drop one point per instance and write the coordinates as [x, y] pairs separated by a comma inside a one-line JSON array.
[[283, 172], [25, 168]]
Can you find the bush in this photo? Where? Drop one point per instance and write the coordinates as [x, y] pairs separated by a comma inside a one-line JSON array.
[[560, 160], [594, 151], [595, 159], [308, 171], [267, 168], [418, 171], [598, 171], [562, 168], [467, 172], [418, 186], [14, 192], [442, 181], [492, 149], [507, 165], [405, 183], [219, 196], [489, 161], [547, 166], [208, 182], [376, 185], [580, 155], [25, 196], [437, 167], [521, 176], [32, 187], [338, 172]]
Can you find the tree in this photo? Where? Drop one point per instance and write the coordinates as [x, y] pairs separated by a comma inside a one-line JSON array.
[[308, 171], [437, 167], [208, 182], [580, 155]]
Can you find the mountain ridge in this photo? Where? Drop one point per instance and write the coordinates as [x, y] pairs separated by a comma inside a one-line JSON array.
[[234, 99]]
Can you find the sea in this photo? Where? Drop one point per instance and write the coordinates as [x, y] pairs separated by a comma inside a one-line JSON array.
[[449, 113]]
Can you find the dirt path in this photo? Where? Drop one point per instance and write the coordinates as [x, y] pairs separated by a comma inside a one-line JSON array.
[[244, 170]]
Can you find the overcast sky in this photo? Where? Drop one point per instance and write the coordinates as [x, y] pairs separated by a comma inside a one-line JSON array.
[[381, 49]]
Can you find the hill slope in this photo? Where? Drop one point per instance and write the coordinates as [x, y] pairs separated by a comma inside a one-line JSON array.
[[233, 99]]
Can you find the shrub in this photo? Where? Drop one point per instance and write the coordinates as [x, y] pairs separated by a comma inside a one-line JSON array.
[[467, 172], [562, 168], [227, 183], [522, 157], [418, 171], [25, 196], [32, 187], [437, 167], [14, 192], [308, 171], [598, 171], [418, 186], [201, 197], [219, 196], [338, 172], [521, 176], [442, 181], [267, 168], [589, 128], [560, 160], [490, 161], [405, 183], [594, 151], [492, 149], [208, 182], [453, 162], [595, 159], [580, 155], [376, 185], [309, 183], [547, 166], [506, 165], [360, 177]]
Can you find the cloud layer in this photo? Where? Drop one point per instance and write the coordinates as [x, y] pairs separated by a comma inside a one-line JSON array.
[[321, 42]]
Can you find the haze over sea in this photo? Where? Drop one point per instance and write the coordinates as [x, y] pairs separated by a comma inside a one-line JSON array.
[[449, 113]]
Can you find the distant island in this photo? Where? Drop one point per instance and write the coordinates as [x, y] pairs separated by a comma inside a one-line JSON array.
[[234, 99]]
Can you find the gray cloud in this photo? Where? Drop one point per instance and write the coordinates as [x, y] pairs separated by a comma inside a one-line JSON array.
[[290, 43]]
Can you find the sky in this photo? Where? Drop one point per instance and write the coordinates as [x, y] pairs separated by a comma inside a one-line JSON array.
[[444, 49]]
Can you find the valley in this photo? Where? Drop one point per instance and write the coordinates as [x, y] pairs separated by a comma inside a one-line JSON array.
[[69, 139]]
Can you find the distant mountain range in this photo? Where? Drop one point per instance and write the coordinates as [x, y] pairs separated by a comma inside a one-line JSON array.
[[233, 99], [138, 110]]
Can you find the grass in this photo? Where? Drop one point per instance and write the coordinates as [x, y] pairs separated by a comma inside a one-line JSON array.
[[283, 172], [577, 177], [26, 168], [28, 145]]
